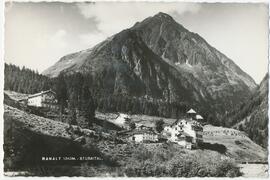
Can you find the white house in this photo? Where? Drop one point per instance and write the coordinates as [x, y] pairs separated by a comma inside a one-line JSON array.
[[185, 132], [143, 136], [184, 140], [42, 99]]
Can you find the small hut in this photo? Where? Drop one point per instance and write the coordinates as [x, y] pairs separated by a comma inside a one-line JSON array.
[[199, 117], [191, 113]]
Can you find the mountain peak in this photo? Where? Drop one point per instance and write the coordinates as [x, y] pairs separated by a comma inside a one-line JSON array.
[[163, 16], [160, 58], [158, 20]]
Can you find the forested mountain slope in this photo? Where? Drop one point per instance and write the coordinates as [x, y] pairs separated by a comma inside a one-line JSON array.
[[252, 115]]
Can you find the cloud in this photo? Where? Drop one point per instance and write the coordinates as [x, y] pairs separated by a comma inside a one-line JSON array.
[[58, 40], [112, 17]]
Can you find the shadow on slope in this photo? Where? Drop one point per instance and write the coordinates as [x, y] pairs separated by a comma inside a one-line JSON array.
[[107, 125], [214, 147], [24, 150]]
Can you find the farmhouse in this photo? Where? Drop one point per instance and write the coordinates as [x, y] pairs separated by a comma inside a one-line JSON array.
[[186, 132], [45, 99], [143, 136], [184, 140]]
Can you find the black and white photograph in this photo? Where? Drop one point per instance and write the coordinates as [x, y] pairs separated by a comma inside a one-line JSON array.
[[135, 89]]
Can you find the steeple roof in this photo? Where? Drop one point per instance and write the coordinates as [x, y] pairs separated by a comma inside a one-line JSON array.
[[191, 111]]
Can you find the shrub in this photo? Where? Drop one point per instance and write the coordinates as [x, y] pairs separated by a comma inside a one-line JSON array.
[[88, 171], [228, 169], [159, 125], [141, 154], [158, 163], [166, 160]]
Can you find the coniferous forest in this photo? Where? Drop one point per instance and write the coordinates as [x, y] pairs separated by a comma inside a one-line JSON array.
[[74, 88], [25, 80]]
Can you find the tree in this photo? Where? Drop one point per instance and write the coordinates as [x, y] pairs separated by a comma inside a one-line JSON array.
[[88, 106], [241, 127], [61, 93], [209, 119], [72, 109], [73, 117], [132, 125], [159, 125]]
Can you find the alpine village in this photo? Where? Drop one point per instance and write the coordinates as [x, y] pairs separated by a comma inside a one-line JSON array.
[[154, 100]]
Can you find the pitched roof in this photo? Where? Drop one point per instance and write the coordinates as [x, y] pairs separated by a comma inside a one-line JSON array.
[[40, 93], [191, 111], [175, 122], [141, 125], [24, 99], [199, 116]]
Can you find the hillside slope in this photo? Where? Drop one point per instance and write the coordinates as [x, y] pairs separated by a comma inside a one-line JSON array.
[[239, 146], [160, 59], [29, 137], [252, 116]]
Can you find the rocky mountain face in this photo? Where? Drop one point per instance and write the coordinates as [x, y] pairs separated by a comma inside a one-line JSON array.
[[160, 59], [190, 53], [252, 115]]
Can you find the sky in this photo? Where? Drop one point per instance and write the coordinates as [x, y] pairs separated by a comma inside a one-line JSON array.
[[37, 35]]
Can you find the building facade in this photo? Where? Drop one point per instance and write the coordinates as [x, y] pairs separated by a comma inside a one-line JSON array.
[[45, 99], [143, 136], [185, 132]]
